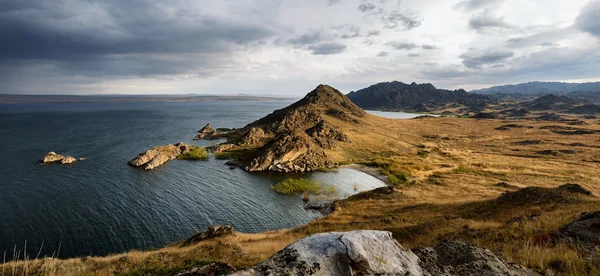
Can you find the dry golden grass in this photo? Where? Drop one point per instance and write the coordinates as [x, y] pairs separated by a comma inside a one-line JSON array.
[[448, 193]]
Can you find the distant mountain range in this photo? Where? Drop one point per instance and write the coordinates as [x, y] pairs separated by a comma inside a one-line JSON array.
[[538, 88], [396, 95]]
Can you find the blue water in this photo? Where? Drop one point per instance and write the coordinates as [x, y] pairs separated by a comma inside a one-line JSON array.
[[102, 205]]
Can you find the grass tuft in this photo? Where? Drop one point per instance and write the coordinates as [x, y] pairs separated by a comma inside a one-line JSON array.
[[196, 153], [303, 185]]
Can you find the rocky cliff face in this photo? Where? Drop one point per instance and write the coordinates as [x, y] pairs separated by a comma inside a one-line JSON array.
[[296, 138], [53, 157]]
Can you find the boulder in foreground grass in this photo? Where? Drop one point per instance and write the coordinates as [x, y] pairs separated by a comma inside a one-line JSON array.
[[369, 252], [584, 231], [212, 232]]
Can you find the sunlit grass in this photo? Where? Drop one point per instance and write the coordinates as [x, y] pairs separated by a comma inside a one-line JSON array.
[[302, 185], [196, 153]]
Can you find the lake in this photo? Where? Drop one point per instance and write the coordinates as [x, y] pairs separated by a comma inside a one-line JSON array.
[[101, 205]]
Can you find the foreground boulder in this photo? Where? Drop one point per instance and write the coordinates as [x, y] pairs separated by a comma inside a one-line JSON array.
[[337, 253], [584, 231], [53, 157], [368, 252], [158, 155]]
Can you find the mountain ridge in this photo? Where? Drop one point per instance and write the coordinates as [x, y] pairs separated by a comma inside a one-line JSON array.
[[538, 87], [396, 95]]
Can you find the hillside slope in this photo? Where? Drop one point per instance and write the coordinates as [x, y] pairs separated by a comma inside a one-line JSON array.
[[536, 88], [300, 137], [415, 97]]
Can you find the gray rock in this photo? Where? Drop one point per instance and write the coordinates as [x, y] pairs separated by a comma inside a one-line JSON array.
[[363, 252], [457, 258], [584, 231]]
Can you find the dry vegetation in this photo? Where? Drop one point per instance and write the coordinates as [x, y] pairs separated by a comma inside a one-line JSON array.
[[448, 173]]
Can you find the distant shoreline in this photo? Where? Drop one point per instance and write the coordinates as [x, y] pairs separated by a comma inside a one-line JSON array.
[[60, 99]]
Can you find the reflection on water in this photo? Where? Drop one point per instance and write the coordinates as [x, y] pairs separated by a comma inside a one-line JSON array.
[[397, 115]]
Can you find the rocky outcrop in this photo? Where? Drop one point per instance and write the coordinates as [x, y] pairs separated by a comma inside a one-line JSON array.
[[297, 138], [211, 233], [336, 253], [457, 258], [208, 133], [159, 155], [584, 231], [53, 157], [368, 252]]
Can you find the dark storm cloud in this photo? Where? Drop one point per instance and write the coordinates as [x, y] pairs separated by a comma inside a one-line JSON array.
[[487, 20], [475, 59], [589, 19], [373, 33], [383, 54], [401, 19], [83, 35], [311, 37], [328, 48], [470, 5], [366, 7], [428, 47], [402, 45]]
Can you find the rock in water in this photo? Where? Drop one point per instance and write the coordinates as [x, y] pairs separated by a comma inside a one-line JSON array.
[[206, 129], [457, 258], [53, 157], [158, 156], [351, 253]]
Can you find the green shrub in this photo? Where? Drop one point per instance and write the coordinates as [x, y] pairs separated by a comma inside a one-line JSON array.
[[223, 129], [196, 153], [301, 185]]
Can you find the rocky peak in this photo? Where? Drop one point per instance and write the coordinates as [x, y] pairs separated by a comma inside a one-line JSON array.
[[295, 138]]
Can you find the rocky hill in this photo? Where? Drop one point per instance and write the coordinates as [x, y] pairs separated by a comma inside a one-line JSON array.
[[536, 88], [296, 138], [415, 97]]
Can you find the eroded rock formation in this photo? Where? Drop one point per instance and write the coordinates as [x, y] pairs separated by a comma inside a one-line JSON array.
[[159, 155], [53, 157]]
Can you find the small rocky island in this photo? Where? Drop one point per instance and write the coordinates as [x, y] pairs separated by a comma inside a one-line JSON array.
[[161, 154], [53, 157], [209, 133]]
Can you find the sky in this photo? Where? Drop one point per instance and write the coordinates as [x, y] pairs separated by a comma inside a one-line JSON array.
[[288, 47]]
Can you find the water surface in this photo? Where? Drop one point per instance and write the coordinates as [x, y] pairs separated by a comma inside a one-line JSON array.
[[102, 205]]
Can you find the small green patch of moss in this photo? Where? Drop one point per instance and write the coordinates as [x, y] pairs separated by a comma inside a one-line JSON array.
[[196, 153], [423, 153], [223, 129], [296, 186]]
